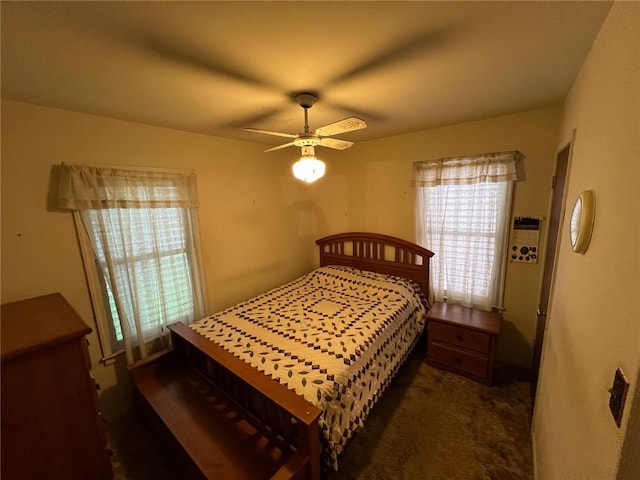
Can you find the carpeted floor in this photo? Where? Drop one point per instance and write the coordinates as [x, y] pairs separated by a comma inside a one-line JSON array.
[[430, 424]]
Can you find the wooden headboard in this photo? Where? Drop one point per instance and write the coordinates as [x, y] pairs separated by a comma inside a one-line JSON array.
[[377, 253]]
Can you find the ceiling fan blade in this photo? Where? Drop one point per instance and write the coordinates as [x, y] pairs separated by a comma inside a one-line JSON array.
[[203, 58], [335, 143], [345, 125], [421, 44], [269, 132], [280, 146]]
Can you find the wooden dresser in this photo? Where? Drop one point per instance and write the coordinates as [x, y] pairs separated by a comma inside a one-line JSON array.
[[463, 340], [51, 426]]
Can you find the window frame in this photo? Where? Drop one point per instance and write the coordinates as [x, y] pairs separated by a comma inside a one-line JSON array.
[[472, 171], [110, 346], [97, 295], [498, 236]]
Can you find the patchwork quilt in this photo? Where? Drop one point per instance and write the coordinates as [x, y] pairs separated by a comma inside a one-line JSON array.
[[336, 336]]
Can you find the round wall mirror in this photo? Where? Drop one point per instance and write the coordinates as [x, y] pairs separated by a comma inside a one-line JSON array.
[[581, 224]]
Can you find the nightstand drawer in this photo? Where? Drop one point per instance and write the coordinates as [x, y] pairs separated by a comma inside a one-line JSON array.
[[462, 337], [458, 360]]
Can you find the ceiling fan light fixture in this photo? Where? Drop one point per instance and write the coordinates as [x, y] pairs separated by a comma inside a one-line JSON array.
[[308, 168]]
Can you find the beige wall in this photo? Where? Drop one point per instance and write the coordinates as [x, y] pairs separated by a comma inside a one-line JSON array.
[[594, 318], [257, 223], [375, 179], [250, 221]]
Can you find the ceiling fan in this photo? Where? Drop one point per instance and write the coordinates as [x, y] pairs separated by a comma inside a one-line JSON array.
[[321, 136]]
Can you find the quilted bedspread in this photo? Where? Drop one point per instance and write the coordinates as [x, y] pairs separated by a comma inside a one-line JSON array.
[[336, 336]]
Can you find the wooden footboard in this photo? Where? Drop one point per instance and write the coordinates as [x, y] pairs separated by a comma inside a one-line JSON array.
[[232, 420]]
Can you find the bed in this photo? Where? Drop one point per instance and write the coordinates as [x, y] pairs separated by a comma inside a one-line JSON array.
[[282, 381]]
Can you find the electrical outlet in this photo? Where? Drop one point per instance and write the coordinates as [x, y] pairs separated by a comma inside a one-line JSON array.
[[618, 396]]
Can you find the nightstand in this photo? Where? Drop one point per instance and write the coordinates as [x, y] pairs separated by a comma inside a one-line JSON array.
[[463, 340]]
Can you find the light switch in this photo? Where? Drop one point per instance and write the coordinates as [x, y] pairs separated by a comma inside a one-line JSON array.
[[618, 396]]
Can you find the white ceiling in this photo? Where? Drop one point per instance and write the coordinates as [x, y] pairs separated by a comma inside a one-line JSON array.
[[217, 67]]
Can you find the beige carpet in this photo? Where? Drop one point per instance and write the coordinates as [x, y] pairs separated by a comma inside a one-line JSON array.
[[430, 424]]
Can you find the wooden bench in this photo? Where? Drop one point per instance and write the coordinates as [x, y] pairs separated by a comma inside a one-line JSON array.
[[254, 428]]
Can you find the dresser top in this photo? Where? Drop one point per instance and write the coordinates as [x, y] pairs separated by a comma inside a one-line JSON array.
[[36, 323], [467, 317]]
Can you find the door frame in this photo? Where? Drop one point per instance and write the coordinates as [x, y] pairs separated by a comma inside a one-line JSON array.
[[538, 346]]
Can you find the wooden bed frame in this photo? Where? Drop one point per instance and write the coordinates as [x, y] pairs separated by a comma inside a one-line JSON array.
[[377, 253], [231, 419]]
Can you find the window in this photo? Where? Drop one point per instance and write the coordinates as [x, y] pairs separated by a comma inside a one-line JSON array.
[[462, 215], [138, 233]]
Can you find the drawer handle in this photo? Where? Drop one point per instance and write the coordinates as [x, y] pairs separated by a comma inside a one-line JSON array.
[[459, 338]]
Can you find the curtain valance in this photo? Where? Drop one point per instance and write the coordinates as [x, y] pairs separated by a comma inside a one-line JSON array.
[[489, 167], [85, 187]]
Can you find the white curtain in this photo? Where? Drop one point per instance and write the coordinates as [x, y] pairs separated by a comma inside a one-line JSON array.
[[463, 207], [143, 229]]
